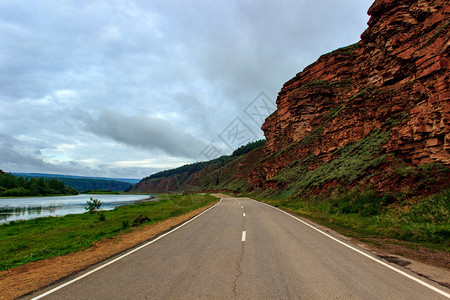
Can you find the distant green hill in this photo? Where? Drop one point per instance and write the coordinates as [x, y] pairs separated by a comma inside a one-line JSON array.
[[86, 183]]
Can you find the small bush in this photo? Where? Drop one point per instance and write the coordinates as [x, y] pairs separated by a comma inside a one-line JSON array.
[[102, 217], [93, 205], [366, 203], [434, 209]]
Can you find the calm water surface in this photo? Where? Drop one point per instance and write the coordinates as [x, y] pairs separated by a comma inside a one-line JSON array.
[[12, 209]]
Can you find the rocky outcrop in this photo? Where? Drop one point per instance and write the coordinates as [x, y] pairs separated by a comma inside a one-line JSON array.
[[395, 78]]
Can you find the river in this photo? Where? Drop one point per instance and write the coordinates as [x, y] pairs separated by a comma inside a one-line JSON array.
[[13, 209]]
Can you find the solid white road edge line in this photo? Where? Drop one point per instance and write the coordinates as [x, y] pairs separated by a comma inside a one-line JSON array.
[[244, 235], [122, 256], [365, 254]]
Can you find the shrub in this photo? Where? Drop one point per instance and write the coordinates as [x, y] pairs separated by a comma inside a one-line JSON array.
[[102, 217], [93, 205], [125, 223]]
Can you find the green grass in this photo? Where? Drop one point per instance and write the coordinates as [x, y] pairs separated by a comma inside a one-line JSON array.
[[309, 139], [334, 112], [345, 83], [26, 241], [313, 136], [365, 94], [235, 185], [315, 84], [347, 50], [365, 214]]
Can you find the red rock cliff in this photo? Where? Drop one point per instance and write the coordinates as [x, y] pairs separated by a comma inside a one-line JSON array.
[[396, 77]]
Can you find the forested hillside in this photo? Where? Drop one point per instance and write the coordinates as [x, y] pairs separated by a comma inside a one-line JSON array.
[[11, 186]]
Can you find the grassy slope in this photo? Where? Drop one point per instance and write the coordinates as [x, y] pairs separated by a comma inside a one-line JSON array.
[[26, 241], [366, 215]]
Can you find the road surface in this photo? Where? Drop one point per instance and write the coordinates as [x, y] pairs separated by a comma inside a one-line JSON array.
[[244, 249]]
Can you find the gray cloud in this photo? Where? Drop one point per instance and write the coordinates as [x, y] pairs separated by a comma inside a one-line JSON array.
[[15, 157], [147, 132], [10, 155]]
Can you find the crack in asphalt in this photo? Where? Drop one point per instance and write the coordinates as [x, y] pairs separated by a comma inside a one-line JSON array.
[[239, 271], [238, 268]]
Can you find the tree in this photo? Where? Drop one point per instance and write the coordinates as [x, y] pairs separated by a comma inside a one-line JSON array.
[[93, 205], [8, 181]]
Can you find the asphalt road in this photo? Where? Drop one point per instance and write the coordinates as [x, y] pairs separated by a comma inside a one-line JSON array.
[[243, 249]]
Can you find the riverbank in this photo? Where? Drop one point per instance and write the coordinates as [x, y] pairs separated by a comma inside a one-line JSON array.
[[22, 242], [15, 209]]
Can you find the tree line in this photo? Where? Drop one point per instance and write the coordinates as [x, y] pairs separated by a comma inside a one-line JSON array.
[[11, 186], [89, 185], [195, 167]]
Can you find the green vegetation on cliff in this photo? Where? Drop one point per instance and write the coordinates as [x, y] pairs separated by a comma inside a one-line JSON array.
[[351, 162]]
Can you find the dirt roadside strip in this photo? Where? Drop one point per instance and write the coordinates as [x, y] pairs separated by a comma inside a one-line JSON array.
[[32, 276]]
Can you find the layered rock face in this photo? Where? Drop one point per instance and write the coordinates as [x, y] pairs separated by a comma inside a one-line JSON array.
[[395, 79]]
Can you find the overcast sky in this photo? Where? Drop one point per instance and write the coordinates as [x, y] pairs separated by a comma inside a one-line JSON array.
[[127, 88]]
